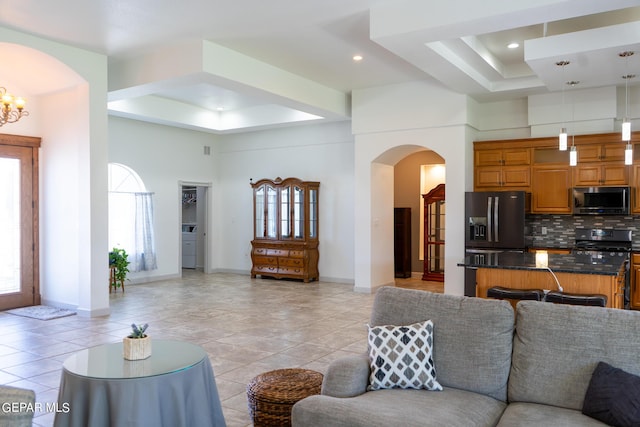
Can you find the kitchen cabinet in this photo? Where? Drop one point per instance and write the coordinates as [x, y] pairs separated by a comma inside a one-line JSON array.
[[502, 169], [612, 286], [635, 281], [593, 174], [635, 186], [503, 157], [285, 229], [601, 152], [551, 189], [536, 166], [502, 178]]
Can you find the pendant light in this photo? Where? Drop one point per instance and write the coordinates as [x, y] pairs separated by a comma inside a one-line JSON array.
[[573, 153], [626, 124], [562, 137]]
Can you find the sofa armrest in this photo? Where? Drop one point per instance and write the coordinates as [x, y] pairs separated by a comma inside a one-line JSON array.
[[347, 376]]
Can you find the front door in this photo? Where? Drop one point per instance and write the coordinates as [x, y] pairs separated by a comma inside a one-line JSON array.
[[18, 222]]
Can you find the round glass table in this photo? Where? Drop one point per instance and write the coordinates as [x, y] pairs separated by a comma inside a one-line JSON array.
[[175, 386], [107, 361]]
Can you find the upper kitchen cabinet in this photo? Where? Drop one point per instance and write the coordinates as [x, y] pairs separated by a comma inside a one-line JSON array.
[[551, 182], [610, 152], [503, 157], [594, 174], [502, 168], [600, 164]]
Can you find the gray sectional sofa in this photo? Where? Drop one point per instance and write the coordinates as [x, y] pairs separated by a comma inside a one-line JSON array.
[[495, 369], [16, 406]]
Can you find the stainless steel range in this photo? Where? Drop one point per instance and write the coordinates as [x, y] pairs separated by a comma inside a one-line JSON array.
[[601, 244]]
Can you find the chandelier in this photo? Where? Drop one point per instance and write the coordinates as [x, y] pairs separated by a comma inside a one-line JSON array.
[[12, 108]]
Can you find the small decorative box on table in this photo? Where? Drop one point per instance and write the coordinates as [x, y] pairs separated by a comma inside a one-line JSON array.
[[271, 395]]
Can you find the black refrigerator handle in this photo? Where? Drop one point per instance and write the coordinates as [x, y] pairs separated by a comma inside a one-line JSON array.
[[489, 220], [496, 218]]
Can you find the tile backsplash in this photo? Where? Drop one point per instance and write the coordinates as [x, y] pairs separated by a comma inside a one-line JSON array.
[[560, 229]]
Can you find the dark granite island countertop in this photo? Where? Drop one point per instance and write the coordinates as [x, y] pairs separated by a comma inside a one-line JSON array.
[[608, 265]]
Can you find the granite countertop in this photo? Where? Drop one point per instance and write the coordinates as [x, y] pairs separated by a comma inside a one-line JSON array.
[[558, 263]]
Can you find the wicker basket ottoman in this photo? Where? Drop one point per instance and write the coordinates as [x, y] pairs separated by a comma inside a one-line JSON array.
[[271, 395]]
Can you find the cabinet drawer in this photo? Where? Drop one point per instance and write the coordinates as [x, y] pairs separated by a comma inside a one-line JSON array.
[[265, 260], [296, 254], [277, 252], [260, 251], [291, 262], [636, 258], [266, 269], [290, 270]]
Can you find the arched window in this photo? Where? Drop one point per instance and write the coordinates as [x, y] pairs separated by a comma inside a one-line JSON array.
[[131, 217]]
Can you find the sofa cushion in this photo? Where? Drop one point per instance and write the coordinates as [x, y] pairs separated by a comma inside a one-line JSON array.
[[401, 357], [557, 347], [400, 407], [520, 414], [472, 338], [613, 396]]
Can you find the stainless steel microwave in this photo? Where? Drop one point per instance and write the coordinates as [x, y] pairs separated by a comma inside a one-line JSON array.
[[601, 200]]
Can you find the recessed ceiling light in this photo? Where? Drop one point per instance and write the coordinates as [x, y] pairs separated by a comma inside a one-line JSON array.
[[357, 58], [513, 45], [220, 108]]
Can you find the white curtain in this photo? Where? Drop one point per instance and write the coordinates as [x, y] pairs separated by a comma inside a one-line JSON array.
[[144, 255]]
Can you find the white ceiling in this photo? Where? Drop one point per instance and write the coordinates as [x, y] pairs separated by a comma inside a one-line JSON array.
[[283, 61]]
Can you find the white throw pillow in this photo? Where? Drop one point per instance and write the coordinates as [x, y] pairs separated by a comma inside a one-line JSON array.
[[402, 357]]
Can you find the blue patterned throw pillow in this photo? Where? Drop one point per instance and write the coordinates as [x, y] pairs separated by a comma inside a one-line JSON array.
[[402, 357]]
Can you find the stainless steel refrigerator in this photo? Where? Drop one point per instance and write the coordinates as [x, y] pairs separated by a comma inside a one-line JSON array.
[[495, 223]]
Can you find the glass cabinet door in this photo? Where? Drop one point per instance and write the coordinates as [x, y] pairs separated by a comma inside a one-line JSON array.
[[285, 213], [434, 215], [298, 213], [259, 212], [271, 212], [313, 213]]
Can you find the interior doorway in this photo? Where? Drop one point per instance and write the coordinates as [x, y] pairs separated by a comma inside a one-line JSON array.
[[19, 247], [194, 226]]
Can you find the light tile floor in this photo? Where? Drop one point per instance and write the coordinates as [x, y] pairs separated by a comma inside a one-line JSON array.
[[247, 326]]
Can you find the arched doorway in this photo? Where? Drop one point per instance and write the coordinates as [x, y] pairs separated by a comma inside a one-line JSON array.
[[375, 156]]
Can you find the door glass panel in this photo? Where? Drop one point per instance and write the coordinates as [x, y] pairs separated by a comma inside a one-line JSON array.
[[285, 213], [10, 279], [259, 214], [298, 212], [272, 206], [313, 214]]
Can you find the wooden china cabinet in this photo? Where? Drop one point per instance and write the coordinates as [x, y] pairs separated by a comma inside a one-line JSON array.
[[285, 229], [434, 214]]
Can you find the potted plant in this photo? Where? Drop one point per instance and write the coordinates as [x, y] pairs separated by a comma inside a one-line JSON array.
[[119, 264], [137, 345]]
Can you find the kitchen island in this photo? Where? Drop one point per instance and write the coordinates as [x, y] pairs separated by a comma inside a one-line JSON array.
[[579, 274]]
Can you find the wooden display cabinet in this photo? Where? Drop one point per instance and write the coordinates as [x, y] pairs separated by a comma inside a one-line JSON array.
[[285, 229], [434, 226]]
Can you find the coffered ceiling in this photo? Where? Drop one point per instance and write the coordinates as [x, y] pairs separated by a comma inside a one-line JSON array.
[[220, 66]]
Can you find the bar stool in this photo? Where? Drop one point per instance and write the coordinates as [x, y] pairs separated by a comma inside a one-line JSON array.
[[595, 300], [514, 295]]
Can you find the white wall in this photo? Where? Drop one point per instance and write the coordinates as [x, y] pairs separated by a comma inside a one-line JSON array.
[[164, 157], [424, 116], [312, 152], [70, 115]]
